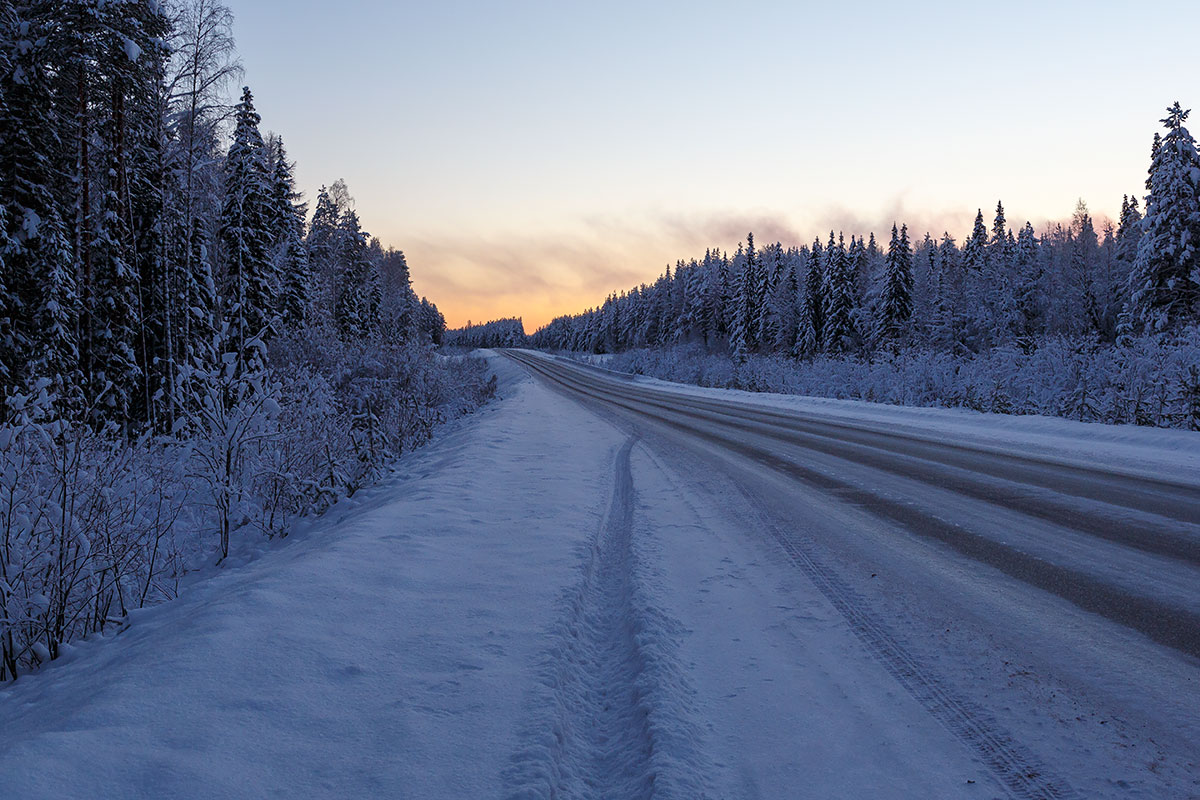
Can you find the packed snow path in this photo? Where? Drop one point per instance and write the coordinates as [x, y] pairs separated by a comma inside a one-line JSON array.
[[603, 587]]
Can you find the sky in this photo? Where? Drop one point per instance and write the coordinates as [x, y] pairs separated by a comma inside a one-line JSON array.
[[532, 157]]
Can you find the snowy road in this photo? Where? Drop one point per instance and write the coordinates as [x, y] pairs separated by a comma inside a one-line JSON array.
[[1024, 600], [604, 587], [1122, 546]]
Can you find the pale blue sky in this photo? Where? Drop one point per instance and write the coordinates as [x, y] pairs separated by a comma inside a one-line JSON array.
[[530, 157]]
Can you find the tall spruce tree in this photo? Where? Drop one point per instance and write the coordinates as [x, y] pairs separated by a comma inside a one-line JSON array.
[[1129, 231], [724, 295], [113, 333], [1027, 288], [810, 323], [246, 235], [202, 304], [754, 285], [949, 317], [1166, 274], [839, 331], [895, 297], [999, 241], [356, 312], [787, 307], [738, 339], [289, 254], [974, 250], [773, 303], [38, 293]]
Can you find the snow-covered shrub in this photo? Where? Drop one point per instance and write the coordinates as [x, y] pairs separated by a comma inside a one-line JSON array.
[[233, 418], [1150, 380], [88, 526], [370, 403], [93, 524]]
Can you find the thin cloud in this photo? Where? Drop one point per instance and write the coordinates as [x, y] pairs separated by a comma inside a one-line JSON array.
[[540, 276]]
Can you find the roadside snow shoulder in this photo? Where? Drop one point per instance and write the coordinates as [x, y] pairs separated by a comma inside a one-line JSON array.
[[1158, 453], [390, 650]]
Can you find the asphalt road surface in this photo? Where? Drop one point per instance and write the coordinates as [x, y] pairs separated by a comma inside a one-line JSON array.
[[1005, 592]]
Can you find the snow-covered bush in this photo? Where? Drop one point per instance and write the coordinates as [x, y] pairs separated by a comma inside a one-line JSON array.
[[88, 528], [93, 524], [1150, 380]]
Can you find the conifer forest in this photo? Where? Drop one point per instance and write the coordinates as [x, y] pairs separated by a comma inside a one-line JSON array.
[[1093, 323], [186, 348]]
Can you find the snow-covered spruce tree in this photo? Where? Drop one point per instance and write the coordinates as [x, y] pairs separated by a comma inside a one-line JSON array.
[[1166, 275], [200, 350], [924, 288], [680, 321], [356, 311], [696, 311], [1002, 321], [289, 254], [724, 294], [998, 244], [895, 296], [974, 250], [156, 231], [871, 264], [112, 316], [976, 285], [1027, 294], [705, 311], [767, 277], [861, 273], [1129, 230], [322, 230], [245, 228], [433, 323], [1093, 289], [38, 299], [948, 325], [741, 312], [1129, 235], [649, 316], [753, 289], [663, 308], [839, 332], [325, 245], [787, 306], [1154, 145], [811, 317], [398, 309]]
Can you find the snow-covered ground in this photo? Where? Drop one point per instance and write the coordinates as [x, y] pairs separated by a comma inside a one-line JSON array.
[[546, 603], [1155, 452], [388, 651]]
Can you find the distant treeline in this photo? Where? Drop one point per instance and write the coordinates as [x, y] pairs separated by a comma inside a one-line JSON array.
[[508, 332], [999, 287]]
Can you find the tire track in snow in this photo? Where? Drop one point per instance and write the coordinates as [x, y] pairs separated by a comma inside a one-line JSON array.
[[1017, 769], [614, 718], [1161, 621]]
